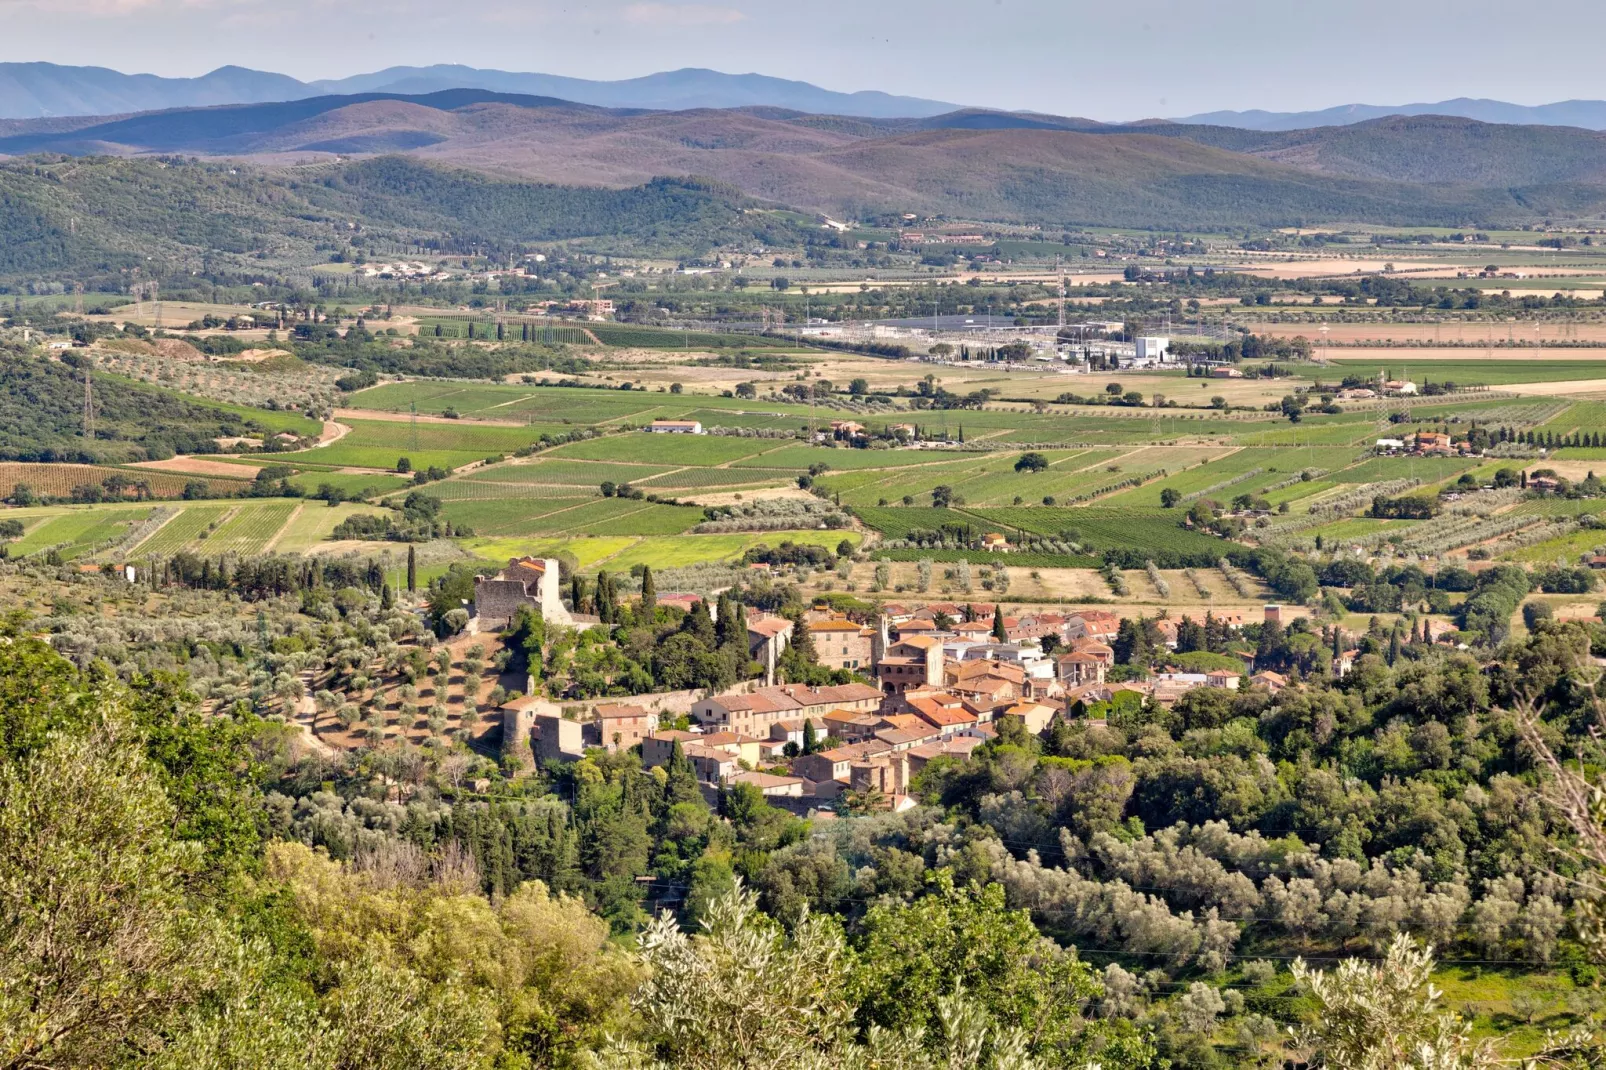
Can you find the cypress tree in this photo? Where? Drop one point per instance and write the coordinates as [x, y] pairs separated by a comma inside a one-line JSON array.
[[649, 591], [998, 625], [811, 742], [681, 783], [412, 569]]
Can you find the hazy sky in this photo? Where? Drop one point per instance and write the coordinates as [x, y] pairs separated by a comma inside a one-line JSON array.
[[1109, 59]]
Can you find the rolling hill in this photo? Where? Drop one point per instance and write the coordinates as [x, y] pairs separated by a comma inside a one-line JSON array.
[[105, 215], [1428, 149], [969, 163]]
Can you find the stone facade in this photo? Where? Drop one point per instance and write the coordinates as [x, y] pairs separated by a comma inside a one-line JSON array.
[[527, 581]]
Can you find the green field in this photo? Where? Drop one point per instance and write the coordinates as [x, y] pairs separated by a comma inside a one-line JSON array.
[[78, 532], [352, 483], [1497, 372], [576, 473], [249, 530], [380, 443], [314, 524], [643, 448], [184, 529], [660, 552], [601, 516]]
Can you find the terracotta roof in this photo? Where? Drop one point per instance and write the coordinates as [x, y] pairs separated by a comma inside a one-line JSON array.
[[835, 626], [796, 696], [764, 780], [612, 710], [854, 752], [770, 628], [958, 747]]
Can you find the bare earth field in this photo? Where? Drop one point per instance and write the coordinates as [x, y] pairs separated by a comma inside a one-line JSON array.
[[198, 466]]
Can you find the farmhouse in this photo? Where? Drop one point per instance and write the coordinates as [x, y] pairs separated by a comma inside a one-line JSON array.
[[676, 427]]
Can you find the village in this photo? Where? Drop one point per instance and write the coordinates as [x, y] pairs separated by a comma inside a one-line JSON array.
[[932, 681]]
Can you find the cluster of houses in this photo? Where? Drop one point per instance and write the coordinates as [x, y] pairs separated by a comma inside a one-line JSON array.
[[943, 684], [1423, 444]]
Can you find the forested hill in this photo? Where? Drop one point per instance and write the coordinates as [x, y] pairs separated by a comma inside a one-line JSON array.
[[102, 214], [41, 417]]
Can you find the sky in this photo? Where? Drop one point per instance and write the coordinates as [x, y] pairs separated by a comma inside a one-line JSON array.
[[1105, 60]]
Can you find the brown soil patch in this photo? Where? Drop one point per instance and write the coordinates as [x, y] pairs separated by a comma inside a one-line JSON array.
[[175, 349], [198, 466], [405, 417]]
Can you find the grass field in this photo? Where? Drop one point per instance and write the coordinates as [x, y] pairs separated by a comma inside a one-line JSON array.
[[314, 524], [659, 552], [365, 485], [380, 443]]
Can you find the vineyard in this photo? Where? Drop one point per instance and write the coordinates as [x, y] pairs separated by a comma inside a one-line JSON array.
[[76, 533], [709, 478], [58, 480], [462, 490], [576, 473], [181, 531], [250, 529]]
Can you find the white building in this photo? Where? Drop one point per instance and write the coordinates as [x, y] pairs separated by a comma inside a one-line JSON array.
[[1153, 348], [676, 427]]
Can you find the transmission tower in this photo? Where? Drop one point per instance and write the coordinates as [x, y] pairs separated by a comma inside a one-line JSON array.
[[78, 298], [1059, 267], [89, 404]]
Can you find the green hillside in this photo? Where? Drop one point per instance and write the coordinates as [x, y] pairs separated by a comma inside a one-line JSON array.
[[41, 417]]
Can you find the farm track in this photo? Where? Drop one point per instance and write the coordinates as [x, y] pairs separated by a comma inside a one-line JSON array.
[[174, 515]]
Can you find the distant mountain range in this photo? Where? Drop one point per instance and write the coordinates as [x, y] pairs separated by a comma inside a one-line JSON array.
[[47, 90], [1588, 114], [969, 163]]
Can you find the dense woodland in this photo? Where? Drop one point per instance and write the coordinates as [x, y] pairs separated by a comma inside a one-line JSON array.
[[41, 417]]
